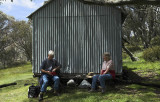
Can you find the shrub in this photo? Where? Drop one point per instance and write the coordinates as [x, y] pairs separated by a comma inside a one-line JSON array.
[[152, 54], [155, 41], [124, 55], [17, 63], [133, 48]]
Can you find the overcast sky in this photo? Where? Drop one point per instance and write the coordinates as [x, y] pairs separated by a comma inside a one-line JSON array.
[[20, 9]]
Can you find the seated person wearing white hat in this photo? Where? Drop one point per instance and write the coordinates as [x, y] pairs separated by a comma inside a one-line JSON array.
[[107, 72], [50, 69]]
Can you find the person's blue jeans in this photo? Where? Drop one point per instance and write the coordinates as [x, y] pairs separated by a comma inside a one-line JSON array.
[[101, 78], [45, 82]]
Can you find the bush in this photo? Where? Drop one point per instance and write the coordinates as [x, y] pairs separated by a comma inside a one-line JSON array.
[[155, 41], [124, 55], [17, 63], [152, 54], [133, 48]]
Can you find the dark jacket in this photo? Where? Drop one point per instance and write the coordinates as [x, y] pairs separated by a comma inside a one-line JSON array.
[[49, 65]]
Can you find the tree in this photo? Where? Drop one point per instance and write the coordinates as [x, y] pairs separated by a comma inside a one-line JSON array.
[[5, 38], [140, 27], [15, 37], [141, 24], [8, 56], [22, 37], [121, 2], [5, 25]]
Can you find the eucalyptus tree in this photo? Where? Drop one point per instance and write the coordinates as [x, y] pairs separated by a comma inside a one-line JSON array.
[[117, 2], [5, 37], [142, 24], [22, 37]]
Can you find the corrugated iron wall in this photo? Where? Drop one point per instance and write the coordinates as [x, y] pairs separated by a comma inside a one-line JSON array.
[[79, 33]]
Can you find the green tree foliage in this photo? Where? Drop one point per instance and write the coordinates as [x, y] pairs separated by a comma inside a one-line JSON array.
[[155, 41], [5, 26], [22, 37], [8, 56], [142, 24], [141, 27], [5, 38], [120, 2], [134, 48], [152, 54], [15, 39]]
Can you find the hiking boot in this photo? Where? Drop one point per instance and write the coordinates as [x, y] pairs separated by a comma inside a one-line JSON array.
[[92, 90], [41, 96]]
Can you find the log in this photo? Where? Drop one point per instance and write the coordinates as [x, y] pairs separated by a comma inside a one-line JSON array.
[[5, 85], [129, 53]]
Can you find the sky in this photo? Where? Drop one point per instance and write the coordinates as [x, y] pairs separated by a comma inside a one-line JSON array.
[[20, 9]]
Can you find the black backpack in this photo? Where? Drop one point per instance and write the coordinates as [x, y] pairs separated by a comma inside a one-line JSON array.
[[33, 91]]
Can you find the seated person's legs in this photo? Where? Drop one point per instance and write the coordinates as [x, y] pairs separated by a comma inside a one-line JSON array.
[[94, 82], [44, 86], [103, 78], [56, 82], [45, 82]]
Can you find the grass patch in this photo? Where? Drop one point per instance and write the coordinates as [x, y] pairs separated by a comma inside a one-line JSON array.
[[121, 93], [14, 74], [21, 75], [16, 93], [141, 65], [150, 71]]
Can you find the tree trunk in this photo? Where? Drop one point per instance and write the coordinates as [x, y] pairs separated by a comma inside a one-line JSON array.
[[129, 53]]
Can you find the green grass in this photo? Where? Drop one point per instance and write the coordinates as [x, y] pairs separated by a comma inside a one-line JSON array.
[[130, 93], [150, 70], [121, 93], [141, 65], [21, 75], [13, 74], [16, 93]]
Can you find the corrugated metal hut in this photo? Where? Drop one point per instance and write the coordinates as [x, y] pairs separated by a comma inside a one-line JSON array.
[[79, 32]]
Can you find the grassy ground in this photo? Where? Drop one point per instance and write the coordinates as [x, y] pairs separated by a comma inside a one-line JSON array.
[[21, 75], [141, 64], [148, 70], [14, 74], [121, 93]]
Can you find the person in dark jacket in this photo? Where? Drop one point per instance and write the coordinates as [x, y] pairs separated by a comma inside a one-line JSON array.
[[50, 68]]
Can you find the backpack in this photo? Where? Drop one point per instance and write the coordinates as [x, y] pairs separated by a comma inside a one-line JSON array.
[[33, 91]]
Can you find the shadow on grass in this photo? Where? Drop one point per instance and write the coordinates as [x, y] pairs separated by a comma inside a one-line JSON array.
[[148, 79], [129, 74], [145, 93], [82, 95], [74, 95]]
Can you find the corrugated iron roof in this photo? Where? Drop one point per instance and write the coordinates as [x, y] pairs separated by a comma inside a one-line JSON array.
[[97, 2], [109, 2]]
